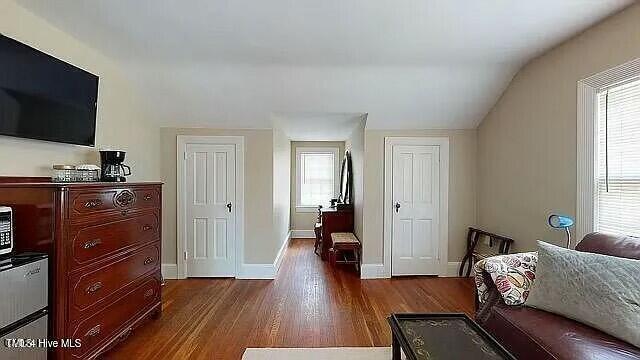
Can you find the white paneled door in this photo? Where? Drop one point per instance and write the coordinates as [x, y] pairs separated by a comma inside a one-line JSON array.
[[416, 210], [210, 185]]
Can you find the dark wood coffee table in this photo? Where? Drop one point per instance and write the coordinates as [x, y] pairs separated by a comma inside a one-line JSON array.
[[442, 336]]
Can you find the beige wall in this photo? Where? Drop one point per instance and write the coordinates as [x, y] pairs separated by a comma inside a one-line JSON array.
[[306, 220], [527, 143], [260, 244], [355, 145], [281, 185], [462, 189], [121, 121]]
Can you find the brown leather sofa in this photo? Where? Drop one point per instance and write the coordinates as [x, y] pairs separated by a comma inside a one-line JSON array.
[[529, 333]]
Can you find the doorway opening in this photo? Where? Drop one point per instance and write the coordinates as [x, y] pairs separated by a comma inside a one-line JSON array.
[[319, 143]]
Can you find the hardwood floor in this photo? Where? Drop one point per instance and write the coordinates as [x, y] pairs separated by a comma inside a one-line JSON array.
[[308, 305]]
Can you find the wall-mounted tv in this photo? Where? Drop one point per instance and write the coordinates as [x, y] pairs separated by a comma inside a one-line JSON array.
[[45, 98]]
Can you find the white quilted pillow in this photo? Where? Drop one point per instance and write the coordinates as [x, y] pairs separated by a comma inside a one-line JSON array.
[[598, 290]]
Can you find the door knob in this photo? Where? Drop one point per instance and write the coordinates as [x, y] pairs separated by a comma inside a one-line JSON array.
[[397, 206], [229, 206]]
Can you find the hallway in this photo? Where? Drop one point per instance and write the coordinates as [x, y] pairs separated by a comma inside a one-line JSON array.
[[309, 304]]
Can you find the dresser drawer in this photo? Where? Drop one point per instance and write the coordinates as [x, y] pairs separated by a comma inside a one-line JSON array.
[[89, 288], [103, 325], [90, 242], [100, 201]]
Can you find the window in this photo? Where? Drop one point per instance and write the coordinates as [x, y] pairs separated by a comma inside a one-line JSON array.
[[316, 177], [617, 172]]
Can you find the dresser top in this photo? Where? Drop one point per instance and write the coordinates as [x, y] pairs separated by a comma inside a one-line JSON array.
[[45, 182], [334, 210]]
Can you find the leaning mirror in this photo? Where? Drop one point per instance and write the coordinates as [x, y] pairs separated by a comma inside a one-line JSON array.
[[346, 179]]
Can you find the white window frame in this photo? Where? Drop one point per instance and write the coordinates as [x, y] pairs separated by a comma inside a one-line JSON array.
[[335, 151], [587, 126]]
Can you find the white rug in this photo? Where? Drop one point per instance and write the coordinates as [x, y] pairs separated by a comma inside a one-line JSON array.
[[343, 353]]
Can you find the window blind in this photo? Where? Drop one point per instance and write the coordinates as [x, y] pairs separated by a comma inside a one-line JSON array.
[[317, 183], [617, 197]]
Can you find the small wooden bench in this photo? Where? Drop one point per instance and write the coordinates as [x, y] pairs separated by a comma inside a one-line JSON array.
[[347, 245]]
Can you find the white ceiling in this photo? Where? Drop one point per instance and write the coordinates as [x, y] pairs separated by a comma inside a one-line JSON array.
[[407, 63]]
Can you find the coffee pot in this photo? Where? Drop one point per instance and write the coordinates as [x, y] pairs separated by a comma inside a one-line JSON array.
[[113, 169]]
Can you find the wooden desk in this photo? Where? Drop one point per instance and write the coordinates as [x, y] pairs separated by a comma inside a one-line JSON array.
[[333, 221]]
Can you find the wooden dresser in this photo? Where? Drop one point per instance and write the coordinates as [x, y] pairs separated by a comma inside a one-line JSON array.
[[103, 240]]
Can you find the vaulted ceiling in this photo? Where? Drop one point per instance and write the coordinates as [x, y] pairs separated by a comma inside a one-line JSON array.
[[407, 63]]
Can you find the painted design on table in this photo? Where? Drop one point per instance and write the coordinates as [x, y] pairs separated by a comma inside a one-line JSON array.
[[416, 339], [411, 329], [513, 275], [477, 340]]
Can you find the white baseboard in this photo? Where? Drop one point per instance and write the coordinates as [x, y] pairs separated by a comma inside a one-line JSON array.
[[256, 271], [452, 269], [281, 252], [372, 271], [303, 234], [376, 271], [265, 271], [170, 271]]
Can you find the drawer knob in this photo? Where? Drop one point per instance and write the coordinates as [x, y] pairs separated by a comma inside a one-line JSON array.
[[149, 293], [94, 331], [90, 204], [124, 212], [92, 243], [147, 227], [148, 260], [148, 197], [94, 287]]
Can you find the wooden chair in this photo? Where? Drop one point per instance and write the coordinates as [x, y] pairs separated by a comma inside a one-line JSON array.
[[346, 245], [318, 244]]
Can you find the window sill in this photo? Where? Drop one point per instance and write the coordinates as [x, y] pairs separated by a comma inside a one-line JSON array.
[[306, 209]]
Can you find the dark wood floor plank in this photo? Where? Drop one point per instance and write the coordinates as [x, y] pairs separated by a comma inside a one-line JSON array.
[[309, 304]]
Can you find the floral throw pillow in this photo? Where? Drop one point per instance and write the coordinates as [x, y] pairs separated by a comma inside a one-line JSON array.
[[512, 274]]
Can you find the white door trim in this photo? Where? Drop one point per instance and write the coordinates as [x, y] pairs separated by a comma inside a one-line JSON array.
[[443, 143], [182, 141]]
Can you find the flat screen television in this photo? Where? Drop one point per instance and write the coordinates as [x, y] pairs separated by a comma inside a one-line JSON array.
[[45, 98]]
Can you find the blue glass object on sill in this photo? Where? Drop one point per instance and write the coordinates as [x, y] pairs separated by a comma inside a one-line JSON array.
[[565, 222]]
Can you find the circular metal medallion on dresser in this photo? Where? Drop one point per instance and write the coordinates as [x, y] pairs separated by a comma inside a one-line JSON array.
[[125, 198]]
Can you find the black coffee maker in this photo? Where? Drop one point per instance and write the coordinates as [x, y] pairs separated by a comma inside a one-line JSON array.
[[113, 169]]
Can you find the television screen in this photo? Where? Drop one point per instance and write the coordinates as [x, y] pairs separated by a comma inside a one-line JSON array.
[[45, 98]]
